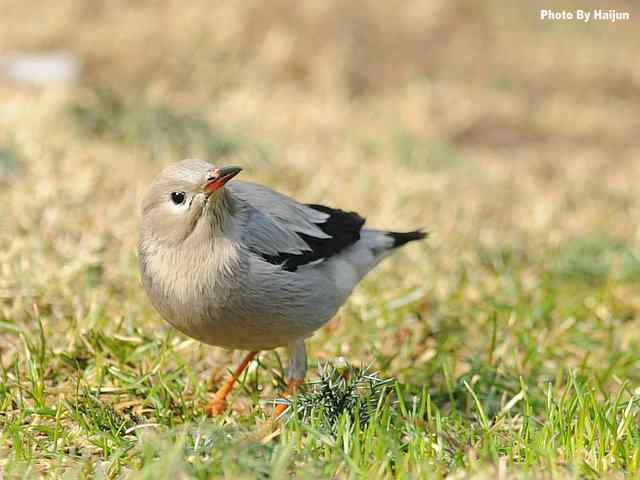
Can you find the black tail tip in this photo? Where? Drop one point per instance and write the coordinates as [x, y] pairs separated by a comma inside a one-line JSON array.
[[400, 238]]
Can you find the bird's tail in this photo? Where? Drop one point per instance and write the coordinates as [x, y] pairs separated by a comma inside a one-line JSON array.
[[400, 238], [382, 242], [373, 247]]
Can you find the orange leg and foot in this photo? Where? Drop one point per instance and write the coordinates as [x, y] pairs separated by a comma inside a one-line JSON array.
[[218, 402], [297, 370], [291, 388]]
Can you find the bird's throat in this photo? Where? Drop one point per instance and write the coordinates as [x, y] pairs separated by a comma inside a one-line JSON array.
[[218, 211]]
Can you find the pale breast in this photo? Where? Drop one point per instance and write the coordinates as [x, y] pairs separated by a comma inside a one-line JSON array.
[[225, 297], [184, 283]]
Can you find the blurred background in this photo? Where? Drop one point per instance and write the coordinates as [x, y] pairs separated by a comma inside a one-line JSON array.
[[515, 141]]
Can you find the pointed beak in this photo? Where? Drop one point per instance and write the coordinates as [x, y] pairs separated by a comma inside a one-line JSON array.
[[218, 177]]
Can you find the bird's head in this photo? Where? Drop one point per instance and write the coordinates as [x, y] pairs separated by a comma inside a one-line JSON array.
[[182, 195]]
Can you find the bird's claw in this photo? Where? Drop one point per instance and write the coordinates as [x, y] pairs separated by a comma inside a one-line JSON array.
[[216, 407], [279, 410]]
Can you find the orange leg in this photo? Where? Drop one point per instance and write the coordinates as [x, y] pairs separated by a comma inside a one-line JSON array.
[[291, 388], [218, 402]]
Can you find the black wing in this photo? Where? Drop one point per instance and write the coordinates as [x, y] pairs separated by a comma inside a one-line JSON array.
[[343, 229]]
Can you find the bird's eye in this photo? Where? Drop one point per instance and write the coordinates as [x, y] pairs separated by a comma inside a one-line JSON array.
[[178, 197]]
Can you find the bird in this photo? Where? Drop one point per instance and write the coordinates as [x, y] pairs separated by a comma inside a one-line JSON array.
[[235, 264]]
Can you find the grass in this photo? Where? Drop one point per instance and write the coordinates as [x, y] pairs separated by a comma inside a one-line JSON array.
[[10, 162], [506, 345], [135, 121], [550, 390]]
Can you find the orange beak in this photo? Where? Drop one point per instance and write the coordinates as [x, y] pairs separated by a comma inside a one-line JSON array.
[[218, 177]]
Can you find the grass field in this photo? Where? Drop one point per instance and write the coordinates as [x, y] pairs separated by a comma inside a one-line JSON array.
[[505, 346]]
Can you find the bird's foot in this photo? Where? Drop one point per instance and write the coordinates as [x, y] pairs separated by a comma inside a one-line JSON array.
[[279, 410], [291, 388], [218, 403], [216, 407]]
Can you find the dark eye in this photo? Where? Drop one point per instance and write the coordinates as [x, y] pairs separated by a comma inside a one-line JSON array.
[[178, 197]]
